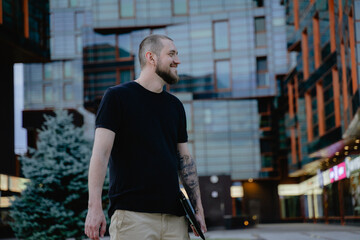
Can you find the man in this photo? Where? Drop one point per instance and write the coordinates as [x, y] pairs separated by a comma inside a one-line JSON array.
[[142, 129]]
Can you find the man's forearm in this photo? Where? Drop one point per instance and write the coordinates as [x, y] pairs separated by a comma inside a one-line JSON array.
[[97, 173], [189, 179]]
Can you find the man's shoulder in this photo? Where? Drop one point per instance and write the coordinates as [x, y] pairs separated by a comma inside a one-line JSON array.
[[120, 89], [173, 97]]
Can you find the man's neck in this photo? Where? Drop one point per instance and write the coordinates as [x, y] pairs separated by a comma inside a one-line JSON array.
[[151, 82]]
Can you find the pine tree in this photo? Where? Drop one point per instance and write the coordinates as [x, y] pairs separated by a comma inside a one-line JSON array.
[[54, 204]]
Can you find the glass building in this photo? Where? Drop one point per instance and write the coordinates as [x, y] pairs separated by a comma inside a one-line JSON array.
[[321, 116], [24, 34], [232, 55]]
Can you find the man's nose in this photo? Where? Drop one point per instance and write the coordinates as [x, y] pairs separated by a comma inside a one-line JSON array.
[[177, 60]]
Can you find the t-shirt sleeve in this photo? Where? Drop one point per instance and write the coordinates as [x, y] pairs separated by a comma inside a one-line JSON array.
[[182, 132], [109, 113]]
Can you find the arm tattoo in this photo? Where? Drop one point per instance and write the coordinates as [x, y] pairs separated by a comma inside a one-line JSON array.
[[189, 178]]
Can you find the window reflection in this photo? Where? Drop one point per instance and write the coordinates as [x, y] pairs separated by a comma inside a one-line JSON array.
[[79, 19], [127, 8], [258, 3], [223, 74], [67, 69], [125, 76], [180, 7], [221, 35], [260, 32], [188, 111], [47, 71], [124, 45], [48, 93], [78, 44], [262, 72], [68, 91]]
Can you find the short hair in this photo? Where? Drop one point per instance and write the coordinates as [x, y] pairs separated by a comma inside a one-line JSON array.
[[153, 44]]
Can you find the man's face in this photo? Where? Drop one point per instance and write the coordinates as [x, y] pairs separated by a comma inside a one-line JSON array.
[[168, 61]]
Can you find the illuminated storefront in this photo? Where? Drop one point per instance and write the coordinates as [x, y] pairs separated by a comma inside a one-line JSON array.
[[332, 195]]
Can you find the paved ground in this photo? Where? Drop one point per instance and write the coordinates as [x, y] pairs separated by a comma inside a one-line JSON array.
[[289, 231], [285, 231]]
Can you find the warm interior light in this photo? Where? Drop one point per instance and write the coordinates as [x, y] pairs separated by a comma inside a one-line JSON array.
[[346, 147], [337, 153], [246, 223], [355, 147], [250, 180], [346, 153], [237, 191], [334, 159], [357, 140]]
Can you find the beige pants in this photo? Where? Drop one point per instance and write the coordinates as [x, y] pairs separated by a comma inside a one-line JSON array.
[[128, 225]]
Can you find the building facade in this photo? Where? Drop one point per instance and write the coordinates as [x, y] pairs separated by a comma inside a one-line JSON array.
[[232, 55], [24, 34], [321, 119]]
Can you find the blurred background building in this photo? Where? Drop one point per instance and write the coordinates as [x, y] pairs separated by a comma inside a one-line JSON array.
[[24, 37], [322, 114]]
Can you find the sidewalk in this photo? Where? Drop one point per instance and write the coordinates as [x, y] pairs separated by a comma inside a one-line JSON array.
[[288, 231], [285, 231]]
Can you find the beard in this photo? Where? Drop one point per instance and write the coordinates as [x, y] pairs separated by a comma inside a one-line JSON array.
[[169, 77]]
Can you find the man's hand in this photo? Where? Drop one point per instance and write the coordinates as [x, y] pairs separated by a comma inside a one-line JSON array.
[[95, 220], [201, 220]]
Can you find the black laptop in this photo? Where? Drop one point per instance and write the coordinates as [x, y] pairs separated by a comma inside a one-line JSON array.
[[190, 214]]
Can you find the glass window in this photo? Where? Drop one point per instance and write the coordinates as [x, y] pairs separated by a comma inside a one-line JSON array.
[[259, 24], [180, 7], [73, 3], [261, 64], [259, 3], [79, 20], [124, 45], [221, 35], [127, 8], [266, 145], [78, 44], [222, 71], [188, 111], [67, 69], [48, 71], [125, 76], [260, 32], [48, 93], [68, 91], [262, 72]]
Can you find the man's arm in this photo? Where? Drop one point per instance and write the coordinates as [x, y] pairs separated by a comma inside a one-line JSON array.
[[190, 181], [95, 218]]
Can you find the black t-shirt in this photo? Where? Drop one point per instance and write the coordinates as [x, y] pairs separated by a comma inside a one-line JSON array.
[[143, 164]]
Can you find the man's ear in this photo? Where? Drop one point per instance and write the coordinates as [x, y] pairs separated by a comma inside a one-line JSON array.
[[150, 57]]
